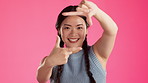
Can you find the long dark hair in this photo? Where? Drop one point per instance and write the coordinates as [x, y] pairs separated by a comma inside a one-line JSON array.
[[85, 45]]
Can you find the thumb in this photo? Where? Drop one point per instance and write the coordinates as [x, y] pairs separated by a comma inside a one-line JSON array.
[[74, 49], [89, 20], [58, 42]]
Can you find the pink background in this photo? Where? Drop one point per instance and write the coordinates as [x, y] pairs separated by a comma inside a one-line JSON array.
[[27, 34]]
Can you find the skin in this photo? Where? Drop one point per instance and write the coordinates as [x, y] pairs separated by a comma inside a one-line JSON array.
[[102, 48]]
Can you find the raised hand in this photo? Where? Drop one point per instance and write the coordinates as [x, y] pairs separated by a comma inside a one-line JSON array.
[[86, 8], [60, 55]]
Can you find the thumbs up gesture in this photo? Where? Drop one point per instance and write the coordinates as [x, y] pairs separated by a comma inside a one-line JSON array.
[[58, 55]]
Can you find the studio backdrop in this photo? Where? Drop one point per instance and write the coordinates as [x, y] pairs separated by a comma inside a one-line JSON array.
[[27, 34]]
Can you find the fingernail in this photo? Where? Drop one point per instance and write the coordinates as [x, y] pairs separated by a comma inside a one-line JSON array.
[[80, 48], [64, 14], [70, 52]]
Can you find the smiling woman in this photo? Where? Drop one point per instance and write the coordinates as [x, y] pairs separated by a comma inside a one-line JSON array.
[[77, 62]]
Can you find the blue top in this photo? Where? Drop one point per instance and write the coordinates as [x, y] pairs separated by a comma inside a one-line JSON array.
[[74, 70]]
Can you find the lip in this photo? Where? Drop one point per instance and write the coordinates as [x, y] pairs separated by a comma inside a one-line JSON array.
[[73, 40]]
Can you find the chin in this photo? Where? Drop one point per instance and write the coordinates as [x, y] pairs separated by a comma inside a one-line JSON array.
[[73, 46]]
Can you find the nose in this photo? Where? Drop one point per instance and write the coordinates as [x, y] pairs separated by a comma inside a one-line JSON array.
[[73, 32]]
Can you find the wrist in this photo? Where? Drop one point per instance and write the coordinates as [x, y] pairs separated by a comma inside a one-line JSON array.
[[48, 66], [48, 63], [97, 13]]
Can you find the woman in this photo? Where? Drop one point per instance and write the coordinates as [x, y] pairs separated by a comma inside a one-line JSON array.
[[72, 60]]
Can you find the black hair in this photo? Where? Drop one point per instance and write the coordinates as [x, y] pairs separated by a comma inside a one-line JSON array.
[[60, 19]]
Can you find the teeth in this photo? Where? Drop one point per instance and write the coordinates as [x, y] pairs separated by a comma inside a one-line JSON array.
[[73, 40]]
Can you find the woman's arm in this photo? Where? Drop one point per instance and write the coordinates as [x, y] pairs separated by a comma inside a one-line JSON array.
[[103, 47], [44, 72], [58, 56]]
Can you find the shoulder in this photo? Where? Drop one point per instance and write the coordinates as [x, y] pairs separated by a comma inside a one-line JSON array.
[[98, 61]]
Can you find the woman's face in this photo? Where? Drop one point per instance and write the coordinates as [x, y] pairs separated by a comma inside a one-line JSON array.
[[73, 31]]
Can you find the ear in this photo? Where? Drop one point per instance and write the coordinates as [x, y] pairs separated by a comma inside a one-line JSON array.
[[59, 32], [86, 31]]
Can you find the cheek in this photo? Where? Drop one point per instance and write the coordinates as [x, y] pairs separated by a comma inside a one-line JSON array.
[[83, 33], [83, 36], [64, 35]]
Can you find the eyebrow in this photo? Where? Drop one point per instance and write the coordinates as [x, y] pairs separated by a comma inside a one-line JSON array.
[[80, 24], [67, 25], [71, 25]]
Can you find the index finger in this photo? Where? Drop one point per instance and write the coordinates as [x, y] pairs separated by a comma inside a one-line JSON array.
[[72, 13]]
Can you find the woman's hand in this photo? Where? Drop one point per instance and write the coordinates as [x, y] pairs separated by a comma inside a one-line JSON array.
[[86, 8], [59, 55]]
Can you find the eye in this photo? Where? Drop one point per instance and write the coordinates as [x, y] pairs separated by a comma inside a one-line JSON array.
[[66, 28], [79, 27]]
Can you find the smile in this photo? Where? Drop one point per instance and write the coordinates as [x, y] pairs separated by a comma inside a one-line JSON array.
[[73, 40]]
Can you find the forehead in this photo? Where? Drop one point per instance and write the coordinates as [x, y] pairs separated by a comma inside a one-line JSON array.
[[73, 20]]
